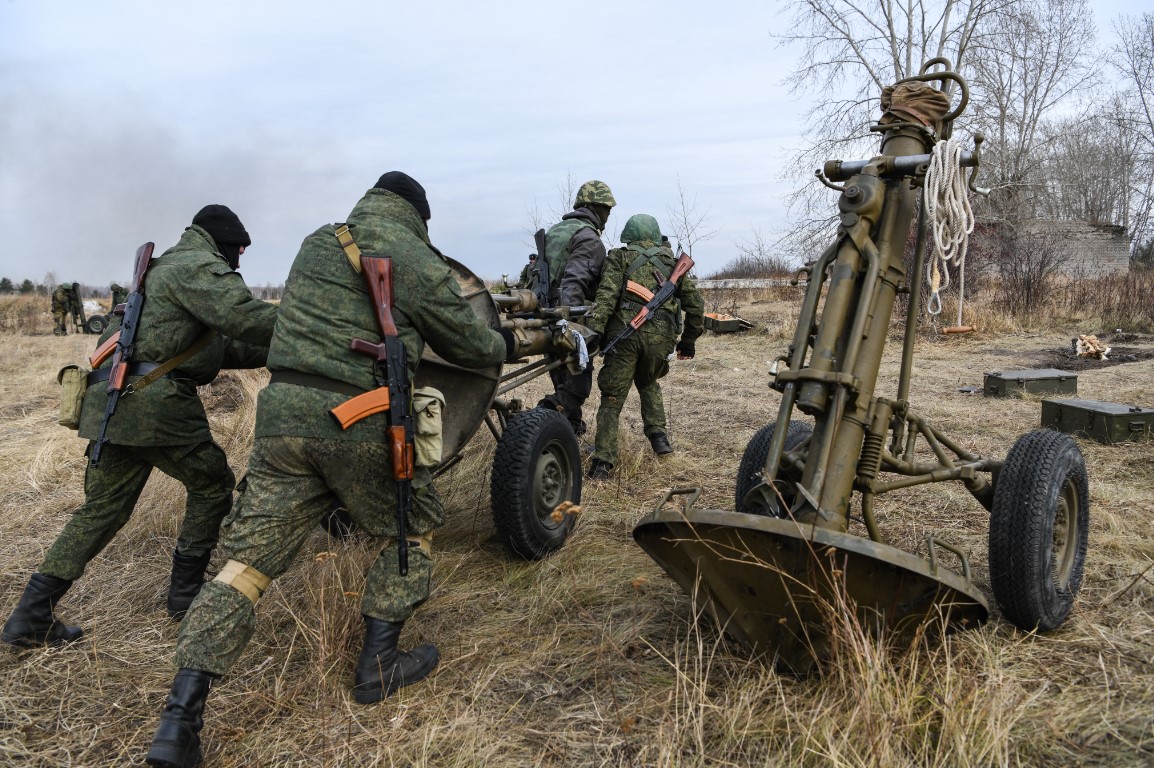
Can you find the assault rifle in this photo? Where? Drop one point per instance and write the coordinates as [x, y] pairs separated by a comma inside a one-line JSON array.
[[125, 347], [541, 287], [391, 394], [663, 294]]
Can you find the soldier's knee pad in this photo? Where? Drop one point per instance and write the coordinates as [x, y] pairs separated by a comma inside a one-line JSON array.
[[244, 579]]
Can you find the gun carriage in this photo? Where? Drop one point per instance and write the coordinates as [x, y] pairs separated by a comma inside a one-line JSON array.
[[769, 571], [535, 480]]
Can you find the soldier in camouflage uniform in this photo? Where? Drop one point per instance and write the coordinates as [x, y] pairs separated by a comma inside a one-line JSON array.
[[576, 256], [640, 359], [302, 461], [191, 290], [119, 295], [61, 309]]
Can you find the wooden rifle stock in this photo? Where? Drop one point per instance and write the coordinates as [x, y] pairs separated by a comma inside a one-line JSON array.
[[663, 294], [389, 353], [124, 349]]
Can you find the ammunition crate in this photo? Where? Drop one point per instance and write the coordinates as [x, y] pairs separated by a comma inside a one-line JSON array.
[[720, 323], [1104, 422], [1043, 381]]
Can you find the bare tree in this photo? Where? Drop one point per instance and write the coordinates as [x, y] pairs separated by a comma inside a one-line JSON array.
[[1133, 57], [853, 49], [687, 221], [1086, 167], [1030, 61]]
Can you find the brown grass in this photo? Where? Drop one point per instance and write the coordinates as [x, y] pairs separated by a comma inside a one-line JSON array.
[[593, 657]]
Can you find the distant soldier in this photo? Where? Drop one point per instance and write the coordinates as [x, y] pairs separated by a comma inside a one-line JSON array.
[[576, 257], [61, 308], [192, 294], [528, 276], [640, 359], [119, 295]]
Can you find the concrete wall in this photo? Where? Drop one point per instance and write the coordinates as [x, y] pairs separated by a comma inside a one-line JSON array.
[[1093, 249]]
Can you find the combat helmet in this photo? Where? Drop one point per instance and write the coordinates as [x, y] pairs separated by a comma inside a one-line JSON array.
[[641, 226], [594, 192]]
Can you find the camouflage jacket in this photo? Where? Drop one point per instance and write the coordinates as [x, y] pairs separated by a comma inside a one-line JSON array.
[[61, 300], [576, 256], [188, 289], [326, 305], [616, 306]]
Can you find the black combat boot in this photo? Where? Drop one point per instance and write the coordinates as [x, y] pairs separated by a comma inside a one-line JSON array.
[[599, 470], [177, 740], [187, 580], [382, 669], [32, 622], [660, 443]]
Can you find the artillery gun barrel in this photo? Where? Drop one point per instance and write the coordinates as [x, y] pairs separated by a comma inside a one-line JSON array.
[[890, 166]]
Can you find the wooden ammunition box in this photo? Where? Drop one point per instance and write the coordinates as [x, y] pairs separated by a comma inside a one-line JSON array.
[[721, 323], [1104, 422], [1044, 381]]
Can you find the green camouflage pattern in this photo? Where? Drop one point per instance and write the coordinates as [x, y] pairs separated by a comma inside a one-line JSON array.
[[615, 307], [112, 488], [291, 482], [558, 244], [301, 461], [326, 305], [119, 294], [61, 306], [594, 191], [640, 228], [639, 361], [188, 289]]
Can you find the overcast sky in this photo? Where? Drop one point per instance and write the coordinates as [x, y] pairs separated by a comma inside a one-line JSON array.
[[119, 120]]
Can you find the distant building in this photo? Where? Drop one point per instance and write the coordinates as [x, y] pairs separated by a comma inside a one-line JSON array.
[[1091, 250]]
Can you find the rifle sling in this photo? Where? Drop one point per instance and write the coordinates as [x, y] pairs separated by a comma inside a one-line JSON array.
[[349, 246], [201, 342], [151, 372], [134, 369]]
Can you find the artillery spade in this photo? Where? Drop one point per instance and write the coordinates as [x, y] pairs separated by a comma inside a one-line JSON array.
[[770, 571]]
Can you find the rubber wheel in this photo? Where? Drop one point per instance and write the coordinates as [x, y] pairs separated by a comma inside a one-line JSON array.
[[753, 462], [96, 324], [536, 468], [1039, 530]]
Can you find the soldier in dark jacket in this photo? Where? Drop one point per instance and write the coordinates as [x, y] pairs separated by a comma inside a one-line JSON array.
[[640, 360], [303, 461], [576, 256], [191, 291]]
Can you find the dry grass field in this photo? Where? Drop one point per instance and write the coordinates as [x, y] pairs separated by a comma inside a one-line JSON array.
[[592, 657]]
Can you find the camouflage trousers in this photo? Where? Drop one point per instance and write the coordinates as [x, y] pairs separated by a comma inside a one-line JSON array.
[[61, 323], [112, 489], [291, 483], [635, 361]]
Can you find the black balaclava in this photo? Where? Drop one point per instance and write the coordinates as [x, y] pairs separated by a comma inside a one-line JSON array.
[[406, 186], [226, 230]]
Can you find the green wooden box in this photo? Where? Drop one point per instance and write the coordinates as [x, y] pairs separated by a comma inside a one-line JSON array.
[[1104, 422], [1041, 381]]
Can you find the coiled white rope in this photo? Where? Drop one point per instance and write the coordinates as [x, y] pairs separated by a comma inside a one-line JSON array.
[[951, 220]]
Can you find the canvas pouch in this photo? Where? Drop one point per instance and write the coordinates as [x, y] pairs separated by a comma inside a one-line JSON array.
[[428, 410], [73, 384]]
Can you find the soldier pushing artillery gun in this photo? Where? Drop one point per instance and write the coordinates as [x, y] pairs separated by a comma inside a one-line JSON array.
[[766, 570]]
